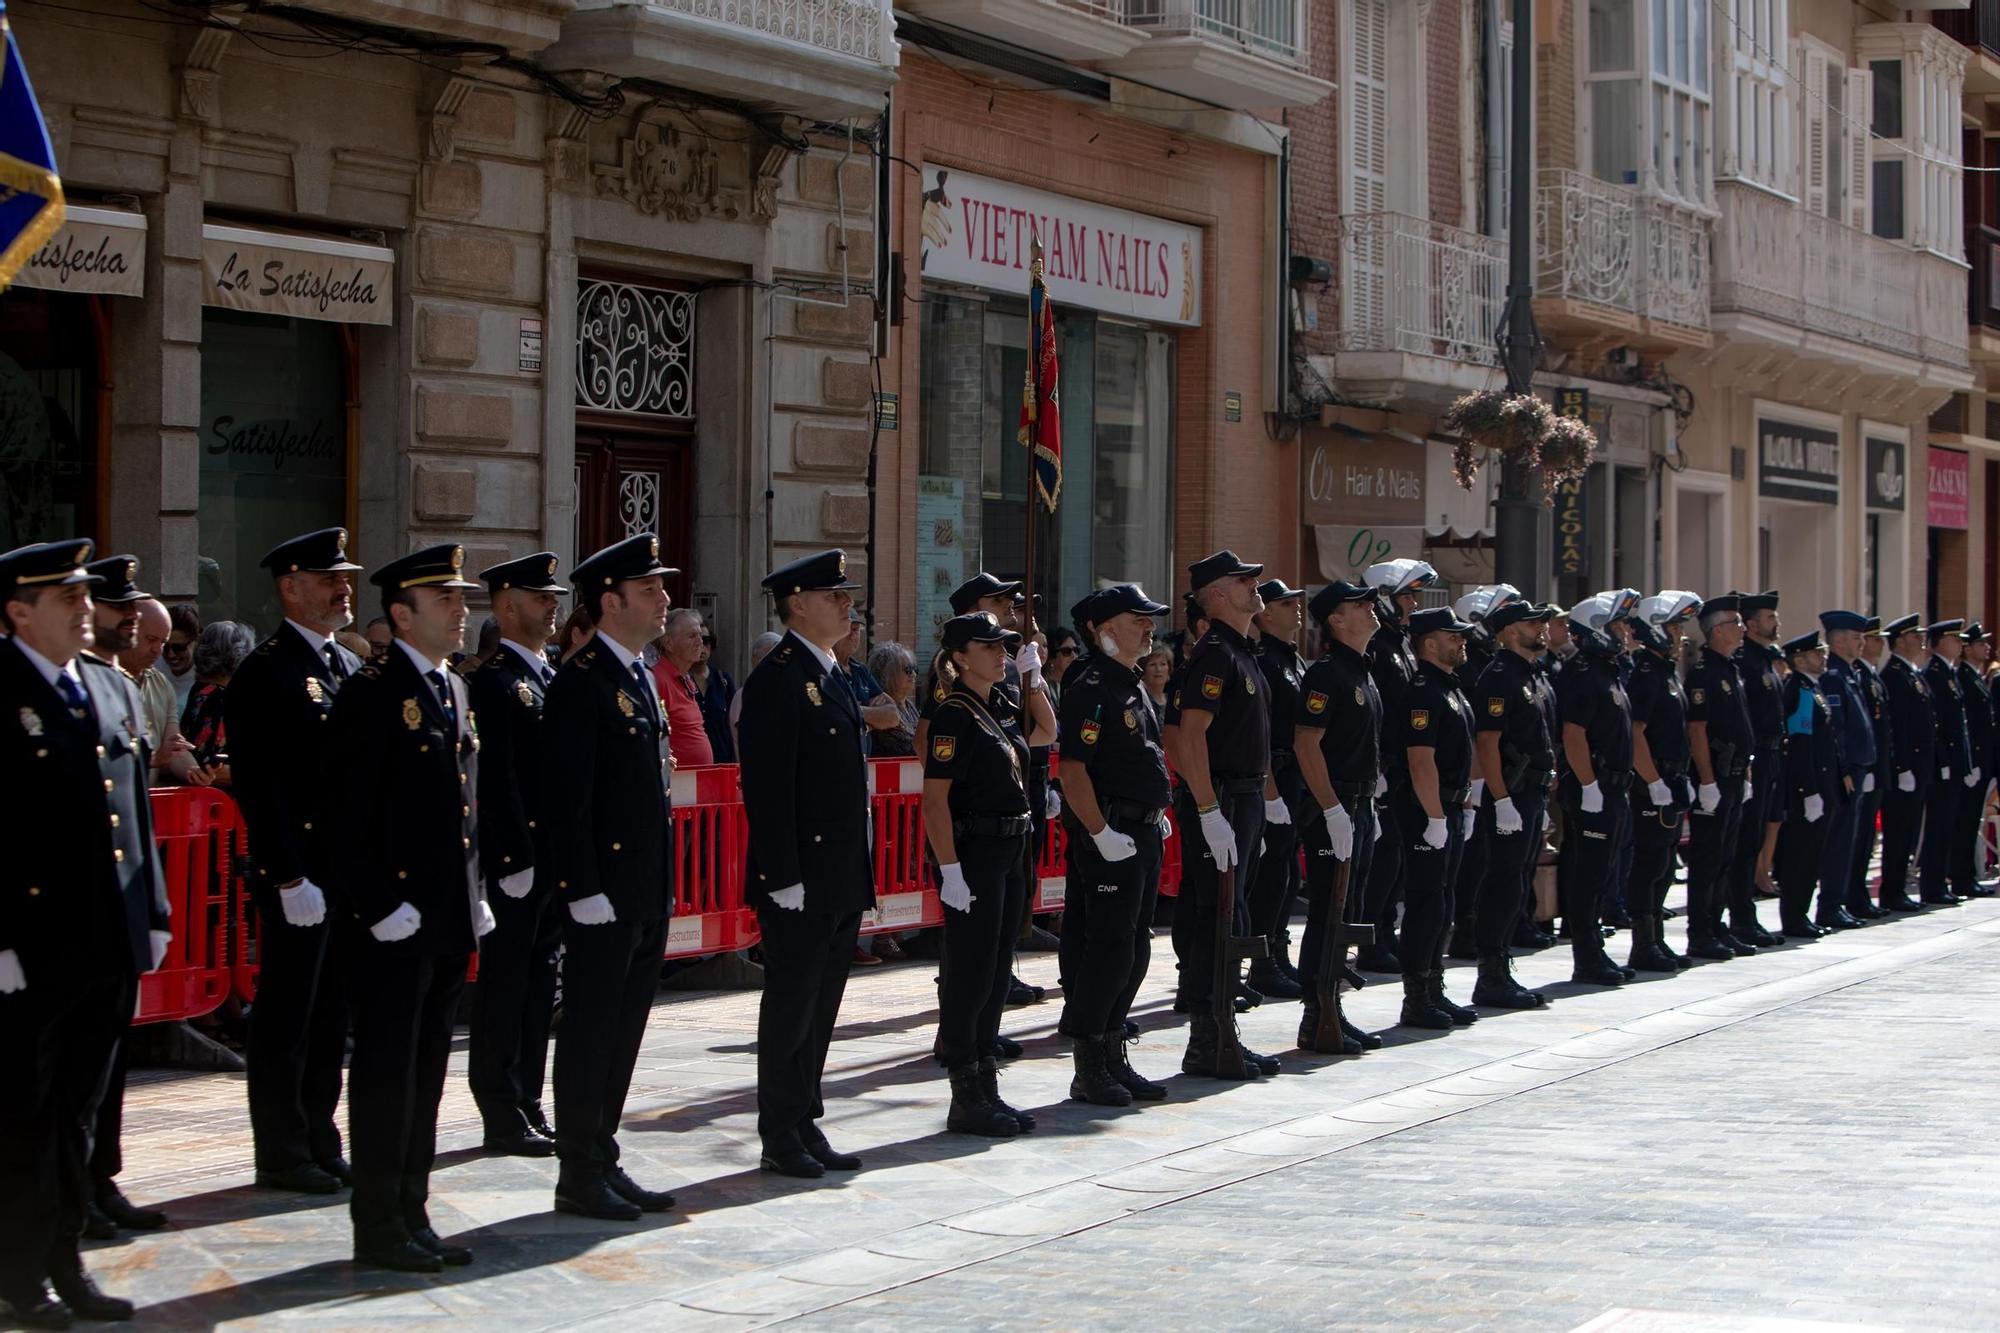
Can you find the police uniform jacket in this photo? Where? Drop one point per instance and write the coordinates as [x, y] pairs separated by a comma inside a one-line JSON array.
[[986, 763], [1952, 756], [1812, 744], [1479, 654], [1112, 730], [1394, 667], [1657, 700], [1853, 717], [80, 886], [507, 696], [604, 736], [1875, 694], [1343, 701], [1715, 696], [278, 709], [1592, 698], [1435, 716], [1224, 680], [1978, 716], [1283, 674], [1757, 668], [805, 784], [1509, 700], [1912, 723], [406, 773]]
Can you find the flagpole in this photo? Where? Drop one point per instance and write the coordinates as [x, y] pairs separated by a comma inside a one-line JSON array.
[[1035, 377]]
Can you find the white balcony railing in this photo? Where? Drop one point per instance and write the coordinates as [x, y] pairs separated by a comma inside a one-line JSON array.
[[1779, 261], [1273, 28], [1610, 246], [863, 29], [1410, 285]]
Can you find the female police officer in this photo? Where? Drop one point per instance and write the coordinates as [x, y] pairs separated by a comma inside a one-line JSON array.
[[976, 815]]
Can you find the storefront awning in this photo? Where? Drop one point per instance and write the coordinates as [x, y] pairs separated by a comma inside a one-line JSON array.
[[295, 274], [100, 251], [1374, 493]]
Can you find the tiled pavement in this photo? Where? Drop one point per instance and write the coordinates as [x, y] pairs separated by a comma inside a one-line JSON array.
[[1800, 1135]]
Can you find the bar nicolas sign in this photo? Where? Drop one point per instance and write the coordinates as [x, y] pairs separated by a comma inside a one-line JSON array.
[[979, 231]]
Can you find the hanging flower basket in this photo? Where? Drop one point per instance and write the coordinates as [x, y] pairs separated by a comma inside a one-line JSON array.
[[1521, 427]]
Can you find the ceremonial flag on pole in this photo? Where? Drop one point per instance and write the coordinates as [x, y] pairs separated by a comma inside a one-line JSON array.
[[1041, 407], [31, 202]]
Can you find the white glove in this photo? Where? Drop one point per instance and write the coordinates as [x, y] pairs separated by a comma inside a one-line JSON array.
[[1276, 811], [398, 925], [596, 910], [1815, 808], [1506, 819], [1867, 783], [953, 891], [1113, 845], [1166, 826], [1906, 782], [1467, 816], [1436, 835], [1945, 774], [1972, 778], [1221, 838], [1592, 799], [1029, 663], [1051, 804], [518, 884], [1749, 789], [792, 899], [304, 904], [1709, 796], [1381, 785], [11, 976], [482, 920], [1340, 832], [161, 939], [1659, 793]]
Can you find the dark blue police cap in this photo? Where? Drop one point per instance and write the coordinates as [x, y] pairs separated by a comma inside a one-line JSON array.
[[322, 552], [1902, 625], [1336, 593], [634, 558], [531, 573], [1432, 619], [46, 565], [1973, 633], [1120, 598], [1513, 613], [1221, 565], [979, 627], [820, 572], [116, 573], [1277, 590], [977, 589], [440, 566], [1750, 603], [1833, 620], [1943, 627], [1804, 643], [1728, 601], [1873, 629]]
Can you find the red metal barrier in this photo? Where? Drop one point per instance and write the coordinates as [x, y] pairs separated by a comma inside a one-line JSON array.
[[905, 896], [200, 842], [711, 842]]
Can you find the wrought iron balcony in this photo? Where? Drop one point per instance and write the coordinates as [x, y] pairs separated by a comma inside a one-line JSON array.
[[1977, 26], [1065, 29], [1243, 54], [1419, 287], [1613, 265], [1777, 261]]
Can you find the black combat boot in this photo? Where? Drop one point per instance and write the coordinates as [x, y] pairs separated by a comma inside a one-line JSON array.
[[1497, 988], [1366, 1040], [1378, 958], [1648, 954], [1268, 981], [1116, 1061], [1461, 1015], [1093, 1082], [1309, 1033], [1204, 1048], [1418, 1011], [989, 1088], [971, 1113]]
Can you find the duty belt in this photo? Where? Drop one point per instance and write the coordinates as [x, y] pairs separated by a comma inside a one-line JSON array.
[[1138, 811], [1614, 781], [1229, 786], [993, 826]]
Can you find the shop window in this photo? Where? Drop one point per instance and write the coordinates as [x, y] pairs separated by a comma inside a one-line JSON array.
[[48, 418], [274, 451]]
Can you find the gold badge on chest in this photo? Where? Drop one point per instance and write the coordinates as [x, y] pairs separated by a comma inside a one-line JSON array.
[[1249, 685], [31, 722], [314, 690], [413, 714], [625, 705], [812, 692], [523, 693], [1131, 720]]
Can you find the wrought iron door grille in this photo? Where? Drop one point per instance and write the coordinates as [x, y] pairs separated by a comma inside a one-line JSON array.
[[634, 349]]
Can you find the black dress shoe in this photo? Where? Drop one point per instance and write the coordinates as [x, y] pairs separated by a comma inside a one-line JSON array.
[[1597, 971], [829, 1157], [35, 1307], [1978, 891], [1803, 930], [305, 1178], [1902, 902], [111, 1201], [1020, 992], [538, 1121], [1941, 900], [1713, 950], [524, 1142], [594, 1198], [630, 1190], [86, 1300], [399, 1256], [791, 1162], [338, 1168], [452, 1256], [97, 1225]]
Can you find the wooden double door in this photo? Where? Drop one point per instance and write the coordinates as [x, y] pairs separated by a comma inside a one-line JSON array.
[[633, 478]]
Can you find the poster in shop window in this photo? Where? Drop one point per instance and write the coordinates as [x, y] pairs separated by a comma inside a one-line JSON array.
[[940, 556]]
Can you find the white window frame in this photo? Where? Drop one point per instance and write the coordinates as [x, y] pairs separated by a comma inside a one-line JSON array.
[[1930, 147], [1688, 135], [1391, 173], [1756, 139]]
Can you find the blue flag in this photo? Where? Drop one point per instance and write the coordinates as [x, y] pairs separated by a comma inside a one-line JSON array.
[[31, 201]]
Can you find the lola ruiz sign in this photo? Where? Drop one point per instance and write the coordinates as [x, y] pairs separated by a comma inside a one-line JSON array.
[[307, 277], [981, 232]]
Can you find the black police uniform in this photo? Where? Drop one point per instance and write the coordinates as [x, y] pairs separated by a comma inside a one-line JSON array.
[[1951, 761], [508, 1058], [80, 896], [1715, 697], [1757, 666], [1592, 698], [1342, 703], [406, 767], [1847, 703], [1875, 698], [1433, 716], [1531, 934], [1111, 730], [805, 794], [1394, 667], [1812, 768], [1657, 702], [1913, 752], [604, 746], [1276, 888], [1511, 698], [278, 707], [1979, 734]]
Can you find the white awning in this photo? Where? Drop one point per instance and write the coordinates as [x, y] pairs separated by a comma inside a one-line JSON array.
[[1450, 510], [101, 251], [296, 274]]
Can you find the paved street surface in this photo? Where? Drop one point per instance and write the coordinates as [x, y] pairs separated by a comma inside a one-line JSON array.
[[1802, 1140]]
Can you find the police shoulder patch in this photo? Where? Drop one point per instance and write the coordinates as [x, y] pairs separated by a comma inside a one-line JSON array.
[[1496, 706], [1089, 732], [1316, 701], [943, 748], [1420, 719], [1211, 687]]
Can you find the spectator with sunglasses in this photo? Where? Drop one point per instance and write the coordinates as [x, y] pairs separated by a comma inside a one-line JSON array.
[[715, 691]]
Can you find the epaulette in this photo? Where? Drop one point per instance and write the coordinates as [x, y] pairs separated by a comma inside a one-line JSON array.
[[370, 671], [783, 652], [267, 645]]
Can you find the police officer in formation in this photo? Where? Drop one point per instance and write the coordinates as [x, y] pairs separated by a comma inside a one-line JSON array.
[[1757, 662], [1980, 735], [1516, 760], [1721, 742], [1955, 769], [1399, 586], [83, 912], [1913, 758], [1473, 609], [1434, 812], [1845, 687], [1276, 889], [1115, 798], [1597, 747], [1866, 666]]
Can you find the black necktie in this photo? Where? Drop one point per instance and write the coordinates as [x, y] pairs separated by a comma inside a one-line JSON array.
[[333, 662], [443, 688]]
